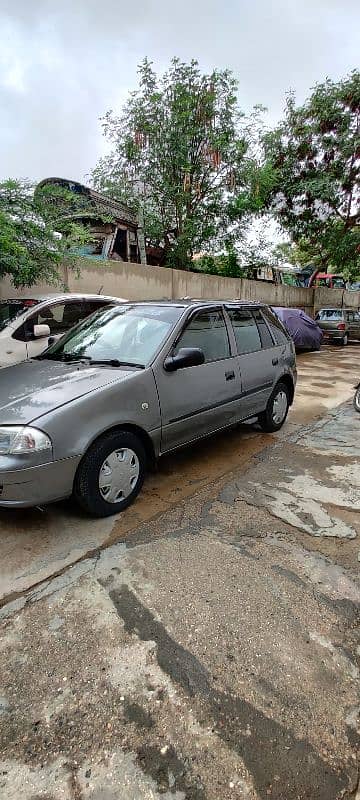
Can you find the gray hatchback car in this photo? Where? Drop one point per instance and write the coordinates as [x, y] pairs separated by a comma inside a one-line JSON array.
[[130, 383]]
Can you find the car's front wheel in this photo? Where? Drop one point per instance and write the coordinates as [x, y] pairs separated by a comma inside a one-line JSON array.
[[274, 416], [111, 474]]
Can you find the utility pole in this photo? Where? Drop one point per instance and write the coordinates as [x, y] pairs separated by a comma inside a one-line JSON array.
[[141, 230]]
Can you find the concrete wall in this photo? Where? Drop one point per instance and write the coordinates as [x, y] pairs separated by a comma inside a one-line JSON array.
[[139, 282]]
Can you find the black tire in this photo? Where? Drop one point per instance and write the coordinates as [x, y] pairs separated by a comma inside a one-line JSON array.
[[344, 341], [86, 485], [266, 419], [357, 399]]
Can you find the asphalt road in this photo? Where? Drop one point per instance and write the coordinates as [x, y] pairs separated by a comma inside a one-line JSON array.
[[202, 646]]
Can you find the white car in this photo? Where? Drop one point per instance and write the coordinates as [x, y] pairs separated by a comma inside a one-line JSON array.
[[27, 323]]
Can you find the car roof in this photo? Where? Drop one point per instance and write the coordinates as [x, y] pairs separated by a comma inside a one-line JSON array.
[[182, 302], [185, 302], [46, 297]]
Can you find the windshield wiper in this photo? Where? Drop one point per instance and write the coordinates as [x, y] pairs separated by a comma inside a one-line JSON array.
[[114, 362], [100, 362]]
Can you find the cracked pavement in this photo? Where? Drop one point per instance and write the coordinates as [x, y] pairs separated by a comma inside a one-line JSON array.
[[204, 645]]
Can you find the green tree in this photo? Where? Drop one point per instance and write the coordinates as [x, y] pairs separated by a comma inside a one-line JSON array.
[[313, 158], [36, 234], [182, 144]]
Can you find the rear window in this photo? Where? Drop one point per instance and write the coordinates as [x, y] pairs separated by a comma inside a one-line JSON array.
[[10, 309], [330, 313]]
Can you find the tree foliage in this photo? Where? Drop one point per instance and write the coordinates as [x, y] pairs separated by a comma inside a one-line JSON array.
[[314, 158], [182, 140], [36, 236]]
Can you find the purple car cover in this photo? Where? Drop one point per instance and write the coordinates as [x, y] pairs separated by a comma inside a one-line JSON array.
[[304, 331]]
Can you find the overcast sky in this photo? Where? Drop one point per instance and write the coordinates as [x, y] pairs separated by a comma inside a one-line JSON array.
[[63, 63]]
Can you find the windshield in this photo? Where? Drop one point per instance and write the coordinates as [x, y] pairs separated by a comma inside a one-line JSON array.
[[10, 309], [129, 335]]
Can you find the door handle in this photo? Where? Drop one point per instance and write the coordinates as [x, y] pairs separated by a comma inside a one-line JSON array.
[[275, 361], [230, 376]]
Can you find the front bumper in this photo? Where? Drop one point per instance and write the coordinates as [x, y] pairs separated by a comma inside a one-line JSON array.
[[34, 486]]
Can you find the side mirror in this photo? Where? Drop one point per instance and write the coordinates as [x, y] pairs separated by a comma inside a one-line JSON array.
[[41, 331], [186, 357]]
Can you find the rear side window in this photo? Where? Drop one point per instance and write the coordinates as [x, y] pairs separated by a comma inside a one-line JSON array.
[[245, 329], [207, 330], [275, 326]]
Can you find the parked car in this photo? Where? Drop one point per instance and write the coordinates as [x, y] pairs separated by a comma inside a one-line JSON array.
[[129, 384], [303, 330], [354, 287], [339, 324], [27, 323]]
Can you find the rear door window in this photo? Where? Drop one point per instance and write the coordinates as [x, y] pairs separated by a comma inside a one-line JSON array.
[[246, 331]]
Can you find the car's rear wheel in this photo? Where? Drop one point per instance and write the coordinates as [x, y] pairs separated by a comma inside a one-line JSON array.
[[274, 416], [344, 341], [111, 474]]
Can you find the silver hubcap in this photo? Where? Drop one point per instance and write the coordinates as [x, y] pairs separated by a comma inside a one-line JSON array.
[[119, 475], [279, 407]]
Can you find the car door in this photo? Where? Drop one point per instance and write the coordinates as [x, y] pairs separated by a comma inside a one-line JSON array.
[[199, 400], [258, 358]]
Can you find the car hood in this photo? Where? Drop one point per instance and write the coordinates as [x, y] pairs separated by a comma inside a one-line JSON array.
[[33, 388]]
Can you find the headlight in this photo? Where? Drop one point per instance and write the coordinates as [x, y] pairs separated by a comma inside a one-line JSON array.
[[17, 439]]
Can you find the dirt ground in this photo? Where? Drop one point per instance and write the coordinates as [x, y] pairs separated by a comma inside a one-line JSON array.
[[203, 645]]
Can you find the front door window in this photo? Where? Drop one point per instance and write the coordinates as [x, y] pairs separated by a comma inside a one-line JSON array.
[[207, 331]]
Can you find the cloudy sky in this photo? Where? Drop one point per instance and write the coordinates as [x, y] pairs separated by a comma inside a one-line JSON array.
[[63, 63]]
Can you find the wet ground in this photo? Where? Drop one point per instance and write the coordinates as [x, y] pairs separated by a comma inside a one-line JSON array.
[[203, 645], [38, 543]]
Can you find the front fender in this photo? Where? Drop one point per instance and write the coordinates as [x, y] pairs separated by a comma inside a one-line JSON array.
[[73, 428]]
